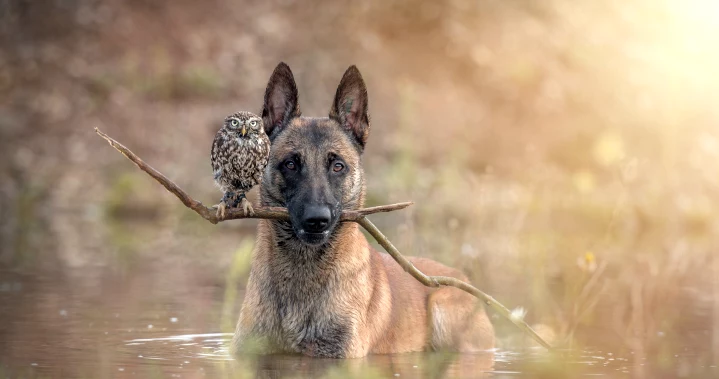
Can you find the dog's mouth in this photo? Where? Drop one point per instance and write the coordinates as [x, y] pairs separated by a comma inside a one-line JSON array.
[[314, 239], [313, 225]]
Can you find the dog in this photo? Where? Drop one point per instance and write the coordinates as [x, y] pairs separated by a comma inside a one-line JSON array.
[[316, 286]]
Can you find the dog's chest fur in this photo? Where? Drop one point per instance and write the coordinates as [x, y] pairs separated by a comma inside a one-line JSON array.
[[305, 315]]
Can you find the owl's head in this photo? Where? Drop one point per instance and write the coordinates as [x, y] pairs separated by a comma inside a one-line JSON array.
[[244, 124]]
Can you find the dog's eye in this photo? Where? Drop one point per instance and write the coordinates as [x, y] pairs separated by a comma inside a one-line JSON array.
[[338, 166], [290, 165]]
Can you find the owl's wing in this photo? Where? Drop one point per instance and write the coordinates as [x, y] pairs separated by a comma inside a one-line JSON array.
[[265, 152], [263, 157], [216, 155]]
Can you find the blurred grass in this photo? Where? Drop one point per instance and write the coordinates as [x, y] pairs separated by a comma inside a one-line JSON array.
[[236, 277]]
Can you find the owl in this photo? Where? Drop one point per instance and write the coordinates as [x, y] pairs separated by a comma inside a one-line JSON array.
[[239, 155]]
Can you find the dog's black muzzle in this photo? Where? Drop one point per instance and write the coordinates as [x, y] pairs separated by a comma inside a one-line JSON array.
[[313, 223]]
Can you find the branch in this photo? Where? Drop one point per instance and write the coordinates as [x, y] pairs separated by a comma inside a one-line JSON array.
[[358, 216], [210, 214]]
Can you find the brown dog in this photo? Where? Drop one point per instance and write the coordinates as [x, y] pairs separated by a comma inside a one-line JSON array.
[[316, 286]]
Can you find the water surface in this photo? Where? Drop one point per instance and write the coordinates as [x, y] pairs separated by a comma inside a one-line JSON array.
[[128, 326]]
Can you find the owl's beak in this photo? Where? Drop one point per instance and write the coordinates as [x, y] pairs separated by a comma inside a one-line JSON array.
[[244, 130]]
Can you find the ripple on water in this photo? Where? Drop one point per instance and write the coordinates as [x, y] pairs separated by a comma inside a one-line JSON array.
[[202, 349], [208, 346]]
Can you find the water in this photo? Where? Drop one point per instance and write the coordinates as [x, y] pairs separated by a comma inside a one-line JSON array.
[[131, 325]]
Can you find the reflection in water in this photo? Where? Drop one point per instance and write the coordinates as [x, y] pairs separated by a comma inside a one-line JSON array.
[[213, 347], [211, 350]]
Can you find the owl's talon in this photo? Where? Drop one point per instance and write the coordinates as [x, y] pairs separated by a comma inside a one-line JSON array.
[[247, 207], [221, 208]]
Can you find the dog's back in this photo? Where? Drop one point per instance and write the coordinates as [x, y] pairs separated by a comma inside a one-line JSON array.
[[445, 318], [316, 286]]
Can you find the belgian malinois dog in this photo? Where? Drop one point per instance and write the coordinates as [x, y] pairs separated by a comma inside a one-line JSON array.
[[316, 286]]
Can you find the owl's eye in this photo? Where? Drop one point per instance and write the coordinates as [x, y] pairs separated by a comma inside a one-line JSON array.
[[234, 123], [290, 165], [253, 123], [338, 166]]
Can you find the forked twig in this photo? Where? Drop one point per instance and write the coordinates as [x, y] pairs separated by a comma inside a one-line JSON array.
[[358, 216]]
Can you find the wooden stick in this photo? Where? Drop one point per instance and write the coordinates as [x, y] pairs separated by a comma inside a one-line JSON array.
[[210, 214], [358, 216]]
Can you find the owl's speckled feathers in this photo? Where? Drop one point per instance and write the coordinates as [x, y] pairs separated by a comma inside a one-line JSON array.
[[239, 155]]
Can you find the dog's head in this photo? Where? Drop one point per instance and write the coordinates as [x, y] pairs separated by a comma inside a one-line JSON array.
[[315, 162]]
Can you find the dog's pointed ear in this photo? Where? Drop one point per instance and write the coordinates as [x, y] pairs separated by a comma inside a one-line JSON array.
[[350, 105], [280, 100]]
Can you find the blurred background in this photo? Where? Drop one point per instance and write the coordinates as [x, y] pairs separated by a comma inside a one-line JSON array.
[[564, 154]]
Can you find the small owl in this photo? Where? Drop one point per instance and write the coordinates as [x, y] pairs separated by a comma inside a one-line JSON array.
[[239, 156]]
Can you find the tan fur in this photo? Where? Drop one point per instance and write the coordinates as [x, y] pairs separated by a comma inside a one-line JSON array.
[[341, 298], [391, 310]]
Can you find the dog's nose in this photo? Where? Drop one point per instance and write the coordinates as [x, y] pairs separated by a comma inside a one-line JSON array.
[[316, 219]]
